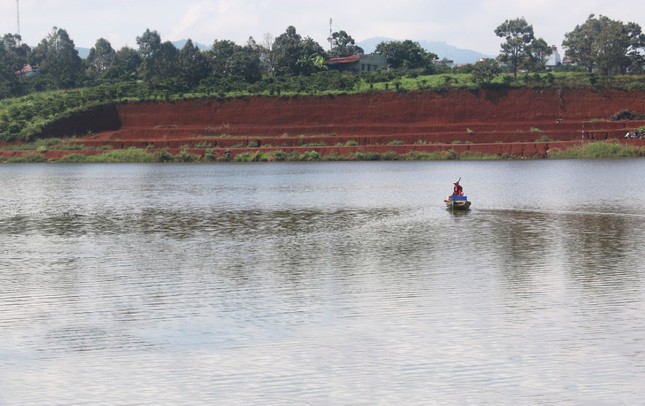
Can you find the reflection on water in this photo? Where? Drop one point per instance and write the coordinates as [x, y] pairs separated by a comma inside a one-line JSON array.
[[321, 284]]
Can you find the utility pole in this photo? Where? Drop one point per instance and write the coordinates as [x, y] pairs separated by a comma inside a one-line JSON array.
[[18, 15]]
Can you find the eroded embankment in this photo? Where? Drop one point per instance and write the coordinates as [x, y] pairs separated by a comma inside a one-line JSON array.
[[491, 121]]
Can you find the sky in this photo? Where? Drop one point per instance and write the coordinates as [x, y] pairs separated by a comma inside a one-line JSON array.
[[467, 24]]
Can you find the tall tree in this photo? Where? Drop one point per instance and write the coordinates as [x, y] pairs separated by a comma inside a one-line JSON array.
[[267, 55], [344, 45], [125, 65], [149, 43], [246, 63], [406, 55], [149, 46], [311, 58], [219, 55], [636, 50], [537, 53], [232, 61], [192, 64], [608, 45], [58, 58], [166, 61], [290, 49], [521, 49], [13, 56], [101, 56]]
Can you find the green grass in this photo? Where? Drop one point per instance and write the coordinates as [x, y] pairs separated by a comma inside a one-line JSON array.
[[131, 155], [599, 150], [31, 158], [138, 155]]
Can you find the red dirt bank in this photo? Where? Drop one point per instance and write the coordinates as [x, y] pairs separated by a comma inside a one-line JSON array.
[[496, 121]]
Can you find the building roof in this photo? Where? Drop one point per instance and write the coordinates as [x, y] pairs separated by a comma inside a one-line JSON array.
[[344, 59], [25, 69]]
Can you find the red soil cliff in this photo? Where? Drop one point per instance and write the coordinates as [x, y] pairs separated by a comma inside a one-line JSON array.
[[485, 120]]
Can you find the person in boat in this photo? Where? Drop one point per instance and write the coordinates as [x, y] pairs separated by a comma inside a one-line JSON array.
[[457, 190]]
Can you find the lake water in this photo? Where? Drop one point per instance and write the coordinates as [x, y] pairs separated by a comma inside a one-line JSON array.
[[322, 283]]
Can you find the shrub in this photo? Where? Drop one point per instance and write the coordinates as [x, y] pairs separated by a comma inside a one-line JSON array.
[[185, 156], [73, 158], [391, 156], [209, 155], [256, 156], [311, 156], [367, 156], [278, 155]]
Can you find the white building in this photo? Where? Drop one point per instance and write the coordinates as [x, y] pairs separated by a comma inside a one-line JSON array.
[[554, 60]]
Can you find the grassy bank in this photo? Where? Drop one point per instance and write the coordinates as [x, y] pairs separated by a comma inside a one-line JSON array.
[[599, 150], [138, 155]]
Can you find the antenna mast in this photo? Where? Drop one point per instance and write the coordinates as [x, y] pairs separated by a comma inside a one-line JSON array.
[[330, 36], [18, 15]]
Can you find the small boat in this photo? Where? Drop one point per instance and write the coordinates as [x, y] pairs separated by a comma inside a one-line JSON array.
[[457, 203]]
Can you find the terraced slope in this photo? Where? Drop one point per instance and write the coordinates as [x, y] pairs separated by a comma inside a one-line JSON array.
[[495, 121]]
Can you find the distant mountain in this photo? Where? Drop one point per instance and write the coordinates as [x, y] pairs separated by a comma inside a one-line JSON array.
[[180, 44], [442, 49], [84, 52]]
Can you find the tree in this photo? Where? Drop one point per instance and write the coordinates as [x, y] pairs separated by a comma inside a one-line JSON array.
[[605, 44], [232, 61], [166, 61], [252, 62], [149, 46], [289, 49], [58, 58], [537, 53], [125, 65], [311, 58], [219, 56], [344, 45], [407, 55], [100, 57], [267, 54], [13, 56], [636, 50], [521, 49], [158, 60], [149, 43], [192, 65], [485, 71], [244, 65]]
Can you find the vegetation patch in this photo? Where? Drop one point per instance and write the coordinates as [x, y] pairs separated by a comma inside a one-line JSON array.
[[31, 158], [624, 115], [599, 150]]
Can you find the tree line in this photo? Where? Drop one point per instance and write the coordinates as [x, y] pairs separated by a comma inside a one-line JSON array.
[[600, 45]]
